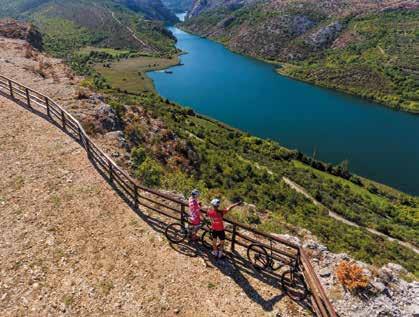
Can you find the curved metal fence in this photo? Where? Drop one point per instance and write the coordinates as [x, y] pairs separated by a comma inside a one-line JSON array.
[[138, 195]]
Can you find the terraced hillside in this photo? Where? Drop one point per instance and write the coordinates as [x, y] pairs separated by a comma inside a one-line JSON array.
[[367, 48], [69, 25]]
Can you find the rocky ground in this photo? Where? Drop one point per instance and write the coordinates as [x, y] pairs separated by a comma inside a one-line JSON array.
[[70, 245], [386, 295]]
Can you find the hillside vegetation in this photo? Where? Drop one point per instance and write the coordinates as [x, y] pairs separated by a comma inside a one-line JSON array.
[[70, 25], [364, 48], [177, 149], [174, 148]]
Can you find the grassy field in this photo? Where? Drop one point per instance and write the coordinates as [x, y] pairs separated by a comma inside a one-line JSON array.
[[130, 74], [109, 51]]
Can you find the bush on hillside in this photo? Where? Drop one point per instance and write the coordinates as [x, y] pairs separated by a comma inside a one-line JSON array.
[[150, 173], [351, 276], [138, 156]]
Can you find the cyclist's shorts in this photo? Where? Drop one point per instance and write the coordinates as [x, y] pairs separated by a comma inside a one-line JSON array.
[[218, 234]]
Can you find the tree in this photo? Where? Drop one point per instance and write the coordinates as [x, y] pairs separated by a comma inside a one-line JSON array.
[[138, 156]]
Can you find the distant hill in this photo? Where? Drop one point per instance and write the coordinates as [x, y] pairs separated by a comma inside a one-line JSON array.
[[68, 25], [366, 48], [178, 6], [151, 9]]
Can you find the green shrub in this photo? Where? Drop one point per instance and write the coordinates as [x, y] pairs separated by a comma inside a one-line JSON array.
[[138, 156], [150, 173]]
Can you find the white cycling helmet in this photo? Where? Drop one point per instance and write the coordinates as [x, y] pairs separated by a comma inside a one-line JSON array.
[[216, 202], [195, 193]]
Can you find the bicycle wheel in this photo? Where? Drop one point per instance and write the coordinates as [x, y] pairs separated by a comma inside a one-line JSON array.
[[175, 233], [206, 239], [258, 256], [294, 285]]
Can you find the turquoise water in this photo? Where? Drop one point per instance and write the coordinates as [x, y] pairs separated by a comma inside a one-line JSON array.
[[379, 143]]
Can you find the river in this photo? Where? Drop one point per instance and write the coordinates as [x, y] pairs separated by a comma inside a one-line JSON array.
[[379, 143]]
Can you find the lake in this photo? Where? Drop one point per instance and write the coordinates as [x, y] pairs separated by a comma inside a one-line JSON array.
[[379, 143]]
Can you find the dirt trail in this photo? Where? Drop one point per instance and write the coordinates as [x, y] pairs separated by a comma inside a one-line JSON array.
[[70, 246], [336, 216], [130, 31]]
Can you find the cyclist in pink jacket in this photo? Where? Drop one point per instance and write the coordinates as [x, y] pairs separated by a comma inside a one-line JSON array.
[[194, 213]]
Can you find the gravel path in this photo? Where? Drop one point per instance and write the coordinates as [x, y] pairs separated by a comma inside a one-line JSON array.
[[336, 216]]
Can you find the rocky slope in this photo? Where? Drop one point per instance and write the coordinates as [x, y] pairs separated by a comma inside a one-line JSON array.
[[71, 247], [362, 47], [23, 31], [201, 6]]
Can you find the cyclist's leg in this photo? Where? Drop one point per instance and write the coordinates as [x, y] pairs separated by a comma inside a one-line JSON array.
[[222, 237], [195, 229], [214, 243]]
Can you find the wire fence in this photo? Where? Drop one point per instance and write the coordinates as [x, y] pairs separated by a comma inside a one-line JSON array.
[[140, 196]]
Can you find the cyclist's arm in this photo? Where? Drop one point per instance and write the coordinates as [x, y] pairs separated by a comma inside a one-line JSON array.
[[232, 206]]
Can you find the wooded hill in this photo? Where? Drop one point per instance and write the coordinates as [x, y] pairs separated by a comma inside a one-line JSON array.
[[122, 24]]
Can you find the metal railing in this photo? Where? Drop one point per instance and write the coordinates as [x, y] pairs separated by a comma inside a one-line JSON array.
[[138, 195]]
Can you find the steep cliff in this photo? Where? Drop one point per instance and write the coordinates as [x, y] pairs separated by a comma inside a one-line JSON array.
[[19, 30]]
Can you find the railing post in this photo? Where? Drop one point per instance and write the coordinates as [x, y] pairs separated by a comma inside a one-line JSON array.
[[47, 105], [11, 89], [63, 119], [28, 98], [233, 238], [80, 134], [182, 214], [87, 145], [110, 171]]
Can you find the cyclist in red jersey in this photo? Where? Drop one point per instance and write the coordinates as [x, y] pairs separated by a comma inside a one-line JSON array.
[[217, 226], [194, 213]]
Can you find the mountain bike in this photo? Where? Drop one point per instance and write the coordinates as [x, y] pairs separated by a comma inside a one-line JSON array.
[[177, 232], [292, 279]]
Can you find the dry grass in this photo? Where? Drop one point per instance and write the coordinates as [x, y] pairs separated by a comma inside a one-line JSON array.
[[351, 276]]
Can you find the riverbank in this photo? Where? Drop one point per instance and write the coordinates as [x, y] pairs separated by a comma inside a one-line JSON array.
[[372, 55], [291, 70], [286, 69], [296, 114]]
